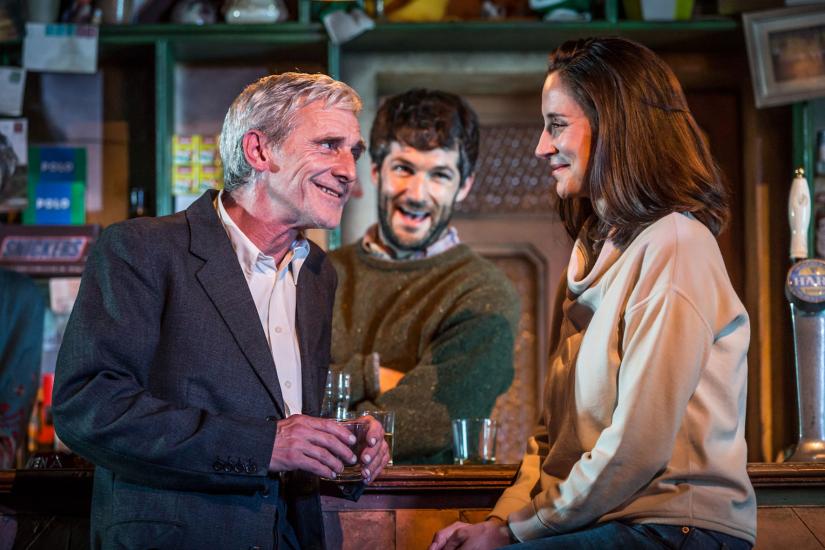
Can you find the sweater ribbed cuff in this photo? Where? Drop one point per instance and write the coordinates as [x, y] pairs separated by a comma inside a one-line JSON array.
[[505, 506], [526, 524]]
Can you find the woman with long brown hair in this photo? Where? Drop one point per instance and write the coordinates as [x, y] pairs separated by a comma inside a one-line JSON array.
[[642, 442]]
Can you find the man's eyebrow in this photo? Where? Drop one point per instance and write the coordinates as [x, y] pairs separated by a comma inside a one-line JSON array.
[[403, 160], [400, 158]]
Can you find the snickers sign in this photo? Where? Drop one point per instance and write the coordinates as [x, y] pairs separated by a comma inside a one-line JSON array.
[[46, 251]]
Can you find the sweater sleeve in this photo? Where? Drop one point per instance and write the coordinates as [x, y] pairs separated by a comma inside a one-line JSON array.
[[518, 495], [103, 408], [666, 343], [461, 372]]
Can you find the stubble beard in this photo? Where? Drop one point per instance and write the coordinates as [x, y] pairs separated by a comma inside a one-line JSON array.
[[437, 229]]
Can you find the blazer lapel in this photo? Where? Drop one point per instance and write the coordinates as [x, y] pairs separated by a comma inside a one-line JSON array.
[[223, 280], [309, 303]]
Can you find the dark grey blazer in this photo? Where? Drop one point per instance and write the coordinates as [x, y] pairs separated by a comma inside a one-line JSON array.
[[166, 382]]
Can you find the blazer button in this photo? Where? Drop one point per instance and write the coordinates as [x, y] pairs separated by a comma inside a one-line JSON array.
[[217, 465], [271, 418], [254, 548], [251, 467], [239, 468]]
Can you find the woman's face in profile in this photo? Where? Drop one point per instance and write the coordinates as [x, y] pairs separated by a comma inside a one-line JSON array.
[[565, 140]]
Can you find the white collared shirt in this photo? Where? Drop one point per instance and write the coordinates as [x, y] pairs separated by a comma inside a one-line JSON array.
[[274, 291]]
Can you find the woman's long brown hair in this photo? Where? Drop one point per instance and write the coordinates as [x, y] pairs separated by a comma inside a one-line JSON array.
[[648, 156]]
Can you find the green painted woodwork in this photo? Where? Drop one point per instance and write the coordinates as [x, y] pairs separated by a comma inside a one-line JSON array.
[[164, 126], [285, 33], [611, 10], [334, 70]]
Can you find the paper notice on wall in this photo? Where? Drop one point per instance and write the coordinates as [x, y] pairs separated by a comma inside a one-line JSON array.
[[12, 84], [63, 293], [14, 158], [60, 48]]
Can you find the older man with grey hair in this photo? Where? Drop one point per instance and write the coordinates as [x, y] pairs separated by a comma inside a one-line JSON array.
[[193, 366]]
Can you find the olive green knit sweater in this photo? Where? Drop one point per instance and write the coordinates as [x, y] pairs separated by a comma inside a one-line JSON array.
[[448, 322]]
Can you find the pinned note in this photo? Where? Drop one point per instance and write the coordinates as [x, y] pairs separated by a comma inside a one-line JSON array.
[[12, 85], [60, 48]]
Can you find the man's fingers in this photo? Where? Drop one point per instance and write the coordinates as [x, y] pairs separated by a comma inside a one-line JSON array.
[[317, 431], [311, 444], [318, 468], [332, 444], [320, 454], [375, 460], [334, 428], [296, 459], [375, 431]]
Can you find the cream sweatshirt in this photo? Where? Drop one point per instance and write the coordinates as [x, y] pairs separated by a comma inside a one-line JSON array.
[[644, 413]]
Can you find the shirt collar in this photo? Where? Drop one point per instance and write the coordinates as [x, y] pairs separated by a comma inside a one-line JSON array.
[[252, 260], [374, 245]]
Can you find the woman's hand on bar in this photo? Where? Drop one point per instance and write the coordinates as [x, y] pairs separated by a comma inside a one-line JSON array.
[[486, 535]]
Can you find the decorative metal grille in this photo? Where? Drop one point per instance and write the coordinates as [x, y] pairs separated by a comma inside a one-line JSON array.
[[510, 179]]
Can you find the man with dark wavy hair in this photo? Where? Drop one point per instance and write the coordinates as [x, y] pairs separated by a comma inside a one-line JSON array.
[[424, 324]]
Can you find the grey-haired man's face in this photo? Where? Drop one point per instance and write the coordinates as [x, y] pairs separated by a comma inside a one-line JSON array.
[[312, 172]]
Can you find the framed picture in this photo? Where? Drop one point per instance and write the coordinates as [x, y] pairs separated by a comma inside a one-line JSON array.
[[786, 49]]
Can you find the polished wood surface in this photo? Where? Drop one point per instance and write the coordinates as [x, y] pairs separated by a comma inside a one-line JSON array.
[[401, 479], [418, 478], [407, 504]]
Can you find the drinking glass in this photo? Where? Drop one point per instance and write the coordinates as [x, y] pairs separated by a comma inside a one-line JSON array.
[[357, 428], [337, 395], [474, 441]]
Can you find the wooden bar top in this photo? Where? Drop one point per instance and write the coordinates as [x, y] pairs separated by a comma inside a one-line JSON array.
[[407, 504], [399, 479]]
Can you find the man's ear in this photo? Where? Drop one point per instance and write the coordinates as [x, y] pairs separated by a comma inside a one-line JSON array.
[[257, 153], [375, 172], [464, 190]]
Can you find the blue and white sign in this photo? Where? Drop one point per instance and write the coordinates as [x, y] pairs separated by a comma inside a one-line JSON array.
[[806, 281]]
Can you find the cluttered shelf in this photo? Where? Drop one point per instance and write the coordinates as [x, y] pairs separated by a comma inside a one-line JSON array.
[[715, 33], [517, 35], [288, 32]]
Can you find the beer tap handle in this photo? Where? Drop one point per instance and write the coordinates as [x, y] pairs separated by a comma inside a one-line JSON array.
[[799, 215]]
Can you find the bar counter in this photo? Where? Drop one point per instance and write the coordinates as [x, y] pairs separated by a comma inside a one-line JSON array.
[[407, 504]]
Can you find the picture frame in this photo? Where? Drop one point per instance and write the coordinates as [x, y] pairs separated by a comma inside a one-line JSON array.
[[786, 51]]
